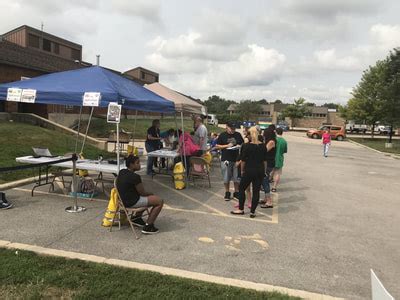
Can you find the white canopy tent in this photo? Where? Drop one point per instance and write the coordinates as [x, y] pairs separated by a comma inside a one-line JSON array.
[[182, 103]]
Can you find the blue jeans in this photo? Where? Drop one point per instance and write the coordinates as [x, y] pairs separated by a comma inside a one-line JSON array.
[[150, 160], [265, 182]]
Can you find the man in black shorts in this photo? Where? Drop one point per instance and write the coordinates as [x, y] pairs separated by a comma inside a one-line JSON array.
[[229, 143], [133, 194]]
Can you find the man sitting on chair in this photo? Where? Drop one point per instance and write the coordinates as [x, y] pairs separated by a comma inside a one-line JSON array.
[[133, 195]]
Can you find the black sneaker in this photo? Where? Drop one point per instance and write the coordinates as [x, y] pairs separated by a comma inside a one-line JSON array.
[[227, 196], [236, 195], [149, 229], [138, 222], [5, 205]]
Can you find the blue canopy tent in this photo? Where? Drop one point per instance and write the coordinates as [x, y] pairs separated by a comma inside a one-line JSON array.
[[69, 88]]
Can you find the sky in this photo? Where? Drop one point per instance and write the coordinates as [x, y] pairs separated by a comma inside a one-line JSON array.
[[254, 49]]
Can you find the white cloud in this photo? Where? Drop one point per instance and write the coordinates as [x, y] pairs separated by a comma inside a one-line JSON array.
[[147, 10], [329, 59], [385, 36], [329, 10]]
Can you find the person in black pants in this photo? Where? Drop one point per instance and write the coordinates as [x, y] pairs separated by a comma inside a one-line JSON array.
[[253, 171], [4, 204], [153, 142]]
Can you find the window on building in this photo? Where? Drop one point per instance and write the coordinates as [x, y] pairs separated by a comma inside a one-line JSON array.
[[142, 75], [46, 45], [75, 54], [33, 41], [56, 48], [69, 108]]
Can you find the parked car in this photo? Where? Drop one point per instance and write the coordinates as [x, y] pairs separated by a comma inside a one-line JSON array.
[[356, 128], [264, 125], [283, 125], [337, 132], [249, 123], [382, 129], [212, 119]]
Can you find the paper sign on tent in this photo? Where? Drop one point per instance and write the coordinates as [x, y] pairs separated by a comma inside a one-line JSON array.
[[14, 94], [114, 113], [91, 99], [28, 96]]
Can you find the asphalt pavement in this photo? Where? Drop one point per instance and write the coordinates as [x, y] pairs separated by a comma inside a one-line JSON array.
[[334, 219]]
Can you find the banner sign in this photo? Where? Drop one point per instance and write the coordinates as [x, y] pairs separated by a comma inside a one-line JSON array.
[[28, 96], [91, 99], [114, 113], [14, 94]]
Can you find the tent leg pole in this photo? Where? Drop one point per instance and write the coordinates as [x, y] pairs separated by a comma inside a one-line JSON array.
[[87, 129], [79, 128], [183, 145], [134, 129], [75, 208], [118, 162]]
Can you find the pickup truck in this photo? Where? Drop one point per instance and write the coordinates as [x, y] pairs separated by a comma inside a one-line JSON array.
[[356, 128]]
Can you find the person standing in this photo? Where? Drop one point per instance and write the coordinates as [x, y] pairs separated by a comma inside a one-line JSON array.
[[270, 143], [153, 142], [253, 170], [281, 149], [326, 141], [4, 204], [229, 139], [201, 134]]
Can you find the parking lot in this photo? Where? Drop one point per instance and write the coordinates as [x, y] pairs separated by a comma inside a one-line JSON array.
[[333, 219]]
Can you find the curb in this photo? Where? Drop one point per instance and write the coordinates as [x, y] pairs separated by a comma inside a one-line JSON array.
[[13, 184], [167, 271], [395, 156]]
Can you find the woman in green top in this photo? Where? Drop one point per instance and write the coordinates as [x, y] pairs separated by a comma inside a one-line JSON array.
[[281, 149]]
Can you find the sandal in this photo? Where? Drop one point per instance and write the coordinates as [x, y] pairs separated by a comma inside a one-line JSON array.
[[273, 190], [265, 205], [237, 212]]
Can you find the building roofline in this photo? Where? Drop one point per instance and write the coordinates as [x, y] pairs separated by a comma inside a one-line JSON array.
[[144, 69], [44, 32]]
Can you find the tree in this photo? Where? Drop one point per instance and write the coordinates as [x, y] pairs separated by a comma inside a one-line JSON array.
[[367, 103], [390, 94], [247, 108], [217, 105], [262, 102], [331, 105], [297, 110], [277, 101]]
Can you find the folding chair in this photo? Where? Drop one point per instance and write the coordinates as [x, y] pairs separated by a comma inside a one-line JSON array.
[[129, 212], [60, 173], [199, 168]]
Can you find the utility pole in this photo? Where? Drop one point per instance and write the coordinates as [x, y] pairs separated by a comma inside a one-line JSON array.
[[98, 59]]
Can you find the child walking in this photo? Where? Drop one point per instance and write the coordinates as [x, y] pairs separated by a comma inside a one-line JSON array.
[[326, 141]]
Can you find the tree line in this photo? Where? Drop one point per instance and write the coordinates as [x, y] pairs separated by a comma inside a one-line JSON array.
[[376, 98], [246, 110]]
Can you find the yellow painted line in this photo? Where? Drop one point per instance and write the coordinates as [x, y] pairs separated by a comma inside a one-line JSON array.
[[165, 206], [273, 217], [191, 198], [167, 271]]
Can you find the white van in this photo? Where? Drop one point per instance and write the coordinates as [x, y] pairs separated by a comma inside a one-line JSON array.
[[212, 119]]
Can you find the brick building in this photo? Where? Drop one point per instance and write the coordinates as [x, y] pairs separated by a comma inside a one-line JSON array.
[[26, 52], [317, 116]]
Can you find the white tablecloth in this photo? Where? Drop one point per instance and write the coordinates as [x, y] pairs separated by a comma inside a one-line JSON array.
[[163, 153], [83, 164]]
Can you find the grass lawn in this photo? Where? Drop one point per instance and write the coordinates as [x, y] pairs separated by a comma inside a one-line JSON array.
[[379, 144], [101, 129], [17, 139], [28, 276]]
